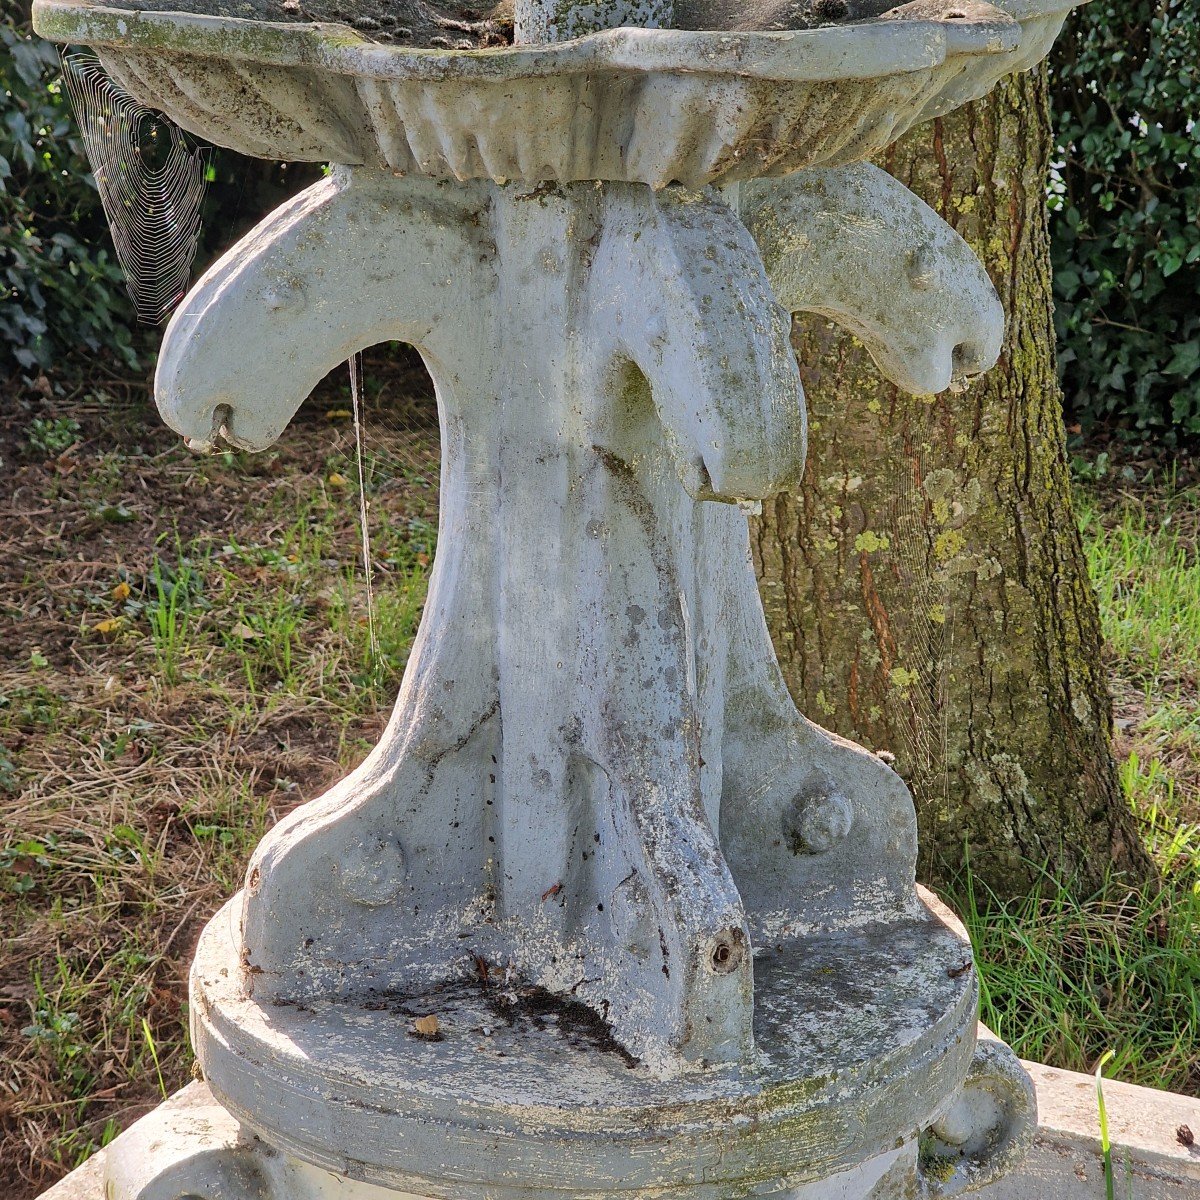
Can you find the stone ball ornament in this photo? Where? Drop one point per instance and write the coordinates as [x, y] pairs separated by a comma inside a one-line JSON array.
[[667, 925]]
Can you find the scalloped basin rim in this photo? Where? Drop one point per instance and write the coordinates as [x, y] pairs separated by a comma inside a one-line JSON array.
[[650, 106], [857, 51]]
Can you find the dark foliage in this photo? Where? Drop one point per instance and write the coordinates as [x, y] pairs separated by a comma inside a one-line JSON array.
[[62, 294], [1126, 219], [61, 290]]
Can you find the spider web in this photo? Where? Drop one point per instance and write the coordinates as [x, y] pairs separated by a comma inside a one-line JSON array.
[[151, 181], [364, 520]]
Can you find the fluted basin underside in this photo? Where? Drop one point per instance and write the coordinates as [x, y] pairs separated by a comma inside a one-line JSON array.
[[652, 106]]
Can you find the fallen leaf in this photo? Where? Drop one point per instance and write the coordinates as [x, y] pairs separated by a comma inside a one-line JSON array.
[[115, 514], [426, 1027], [122, 591], [338, 414], [338, 480], [42, 386], [108, 627], [423, 559], [245, 632]]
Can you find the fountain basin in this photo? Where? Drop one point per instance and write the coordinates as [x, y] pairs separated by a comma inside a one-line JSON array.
[[654, 106]]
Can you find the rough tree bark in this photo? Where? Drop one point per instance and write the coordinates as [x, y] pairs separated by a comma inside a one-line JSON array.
[[926, 588]]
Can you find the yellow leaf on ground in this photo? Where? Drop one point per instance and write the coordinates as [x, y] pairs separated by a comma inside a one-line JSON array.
[[338, 414], [426, 1027], [108, 627], [121, 591], [337, 480]]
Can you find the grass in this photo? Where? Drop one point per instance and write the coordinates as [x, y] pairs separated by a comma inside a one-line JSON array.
[[1105, 1140], [189, 659], [1068, 977], [1064, 979], [1145, 567]]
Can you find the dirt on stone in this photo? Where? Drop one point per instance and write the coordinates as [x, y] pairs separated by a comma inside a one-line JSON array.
[[458, 25]]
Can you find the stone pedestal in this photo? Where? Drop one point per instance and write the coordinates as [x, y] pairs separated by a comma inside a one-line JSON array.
[[1065, 1162], [860, 1038], [602, 912], [666, 925]]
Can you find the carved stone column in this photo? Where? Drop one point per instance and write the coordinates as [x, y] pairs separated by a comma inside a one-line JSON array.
[[667, 926]]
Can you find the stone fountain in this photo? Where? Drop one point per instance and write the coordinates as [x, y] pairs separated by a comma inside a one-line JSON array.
[[602, 913]]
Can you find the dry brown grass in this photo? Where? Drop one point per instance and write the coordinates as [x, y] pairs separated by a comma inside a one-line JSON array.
[[141, 761]]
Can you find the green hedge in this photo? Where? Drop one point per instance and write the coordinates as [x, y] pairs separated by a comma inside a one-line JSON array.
[[61, 290], [1125, 226], [62, 294]]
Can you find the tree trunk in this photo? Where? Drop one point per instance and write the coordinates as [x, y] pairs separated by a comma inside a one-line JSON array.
[[926, 588]]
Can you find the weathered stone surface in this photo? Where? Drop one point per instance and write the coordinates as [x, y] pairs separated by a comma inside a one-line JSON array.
[[652, 106], [860, 1035], [856, 246], [1150, 1157], [190, 1147], [601, 791], [667, 926], [1065, 1162], [570, 769]]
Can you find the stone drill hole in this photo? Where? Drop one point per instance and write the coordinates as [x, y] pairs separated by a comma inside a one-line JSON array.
[[724, 956]]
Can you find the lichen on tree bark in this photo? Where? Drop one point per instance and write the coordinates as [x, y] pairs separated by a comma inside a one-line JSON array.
[[926, 587]]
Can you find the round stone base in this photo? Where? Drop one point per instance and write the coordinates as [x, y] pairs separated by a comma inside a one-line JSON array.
[[191, 1147], [862, 1038]]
